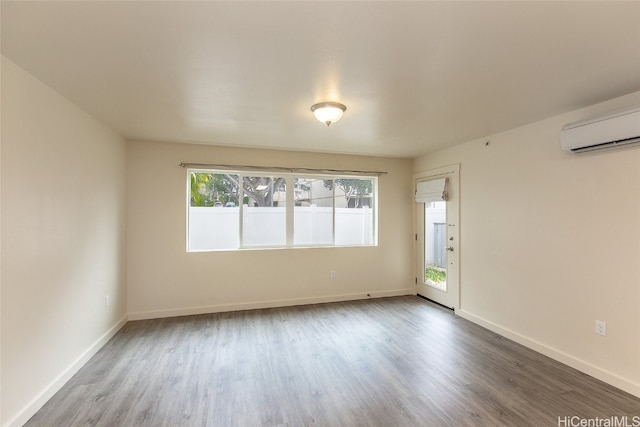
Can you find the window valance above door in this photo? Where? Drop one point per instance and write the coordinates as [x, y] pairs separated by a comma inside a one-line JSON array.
[[433, 190]]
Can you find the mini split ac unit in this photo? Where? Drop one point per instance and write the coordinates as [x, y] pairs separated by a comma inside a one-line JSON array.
[[621, 128]]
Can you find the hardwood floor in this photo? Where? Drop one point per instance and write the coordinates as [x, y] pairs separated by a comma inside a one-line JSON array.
[[384, 362]]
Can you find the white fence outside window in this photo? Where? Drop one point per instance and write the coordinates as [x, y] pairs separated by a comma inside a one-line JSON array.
[[217, 228]]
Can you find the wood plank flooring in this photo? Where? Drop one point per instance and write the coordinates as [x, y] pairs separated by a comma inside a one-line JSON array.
[[383, 362]]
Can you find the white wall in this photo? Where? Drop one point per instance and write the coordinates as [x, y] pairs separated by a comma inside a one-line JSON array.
[[550, 242], [163, 279], [63, 240]]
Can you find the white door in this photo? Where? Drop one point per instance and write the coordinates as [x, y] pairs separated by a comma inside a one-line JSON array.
[[438, 236]]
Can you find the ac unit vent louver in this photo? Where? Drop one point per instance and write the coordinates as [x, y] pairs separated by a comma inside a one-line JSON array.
[[618, 129]]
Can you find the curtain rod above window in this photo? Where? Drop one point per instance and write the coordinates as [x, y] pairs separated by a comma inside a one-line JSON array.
[[281, 169]]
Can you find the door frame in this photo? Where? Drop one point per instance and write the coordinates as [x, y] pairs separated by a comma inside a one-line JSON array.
[[453, 230]]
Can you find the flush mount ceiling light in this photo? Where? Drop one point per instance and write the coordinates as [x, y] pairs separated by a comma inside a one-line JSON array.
[[328, 112]]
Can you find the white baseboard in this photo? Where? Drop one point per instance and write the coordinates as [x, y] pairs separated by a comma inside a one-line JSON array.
[[221, 308], [567, 359], [38, 402]]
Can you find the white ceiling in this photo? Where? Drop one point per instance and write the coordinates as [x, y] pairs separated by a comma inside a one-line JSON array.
[[415, 76]]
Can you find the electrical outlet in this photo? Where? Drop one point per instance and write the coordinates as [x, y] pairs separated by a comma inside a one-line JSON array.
[[107, 301], [601, 328], [332, 274]]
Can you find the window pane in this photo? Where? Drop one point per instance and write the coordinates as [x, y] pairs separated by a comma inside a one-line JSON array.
[[313, 211], [354, 211], [264, 221], [213, 211], [229, 210]]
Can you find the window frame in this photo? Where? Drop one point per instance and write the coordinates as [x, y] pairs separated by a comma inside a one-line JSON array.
[[289, 207]]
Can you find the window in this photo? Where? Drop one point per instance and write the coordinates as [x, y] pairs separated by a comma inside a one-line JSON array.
[[237, 210], [313, 212], [213, 211], [354, 214], [264, 221]]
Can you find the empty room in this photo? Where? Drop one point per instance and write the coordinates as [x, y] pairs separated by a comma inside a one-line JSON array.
[[295, 213]]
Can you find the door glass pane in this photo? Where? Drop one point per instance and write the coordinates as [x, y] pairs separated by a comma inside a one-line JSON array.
[[264, 221], [313, 211], [435, 244]]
